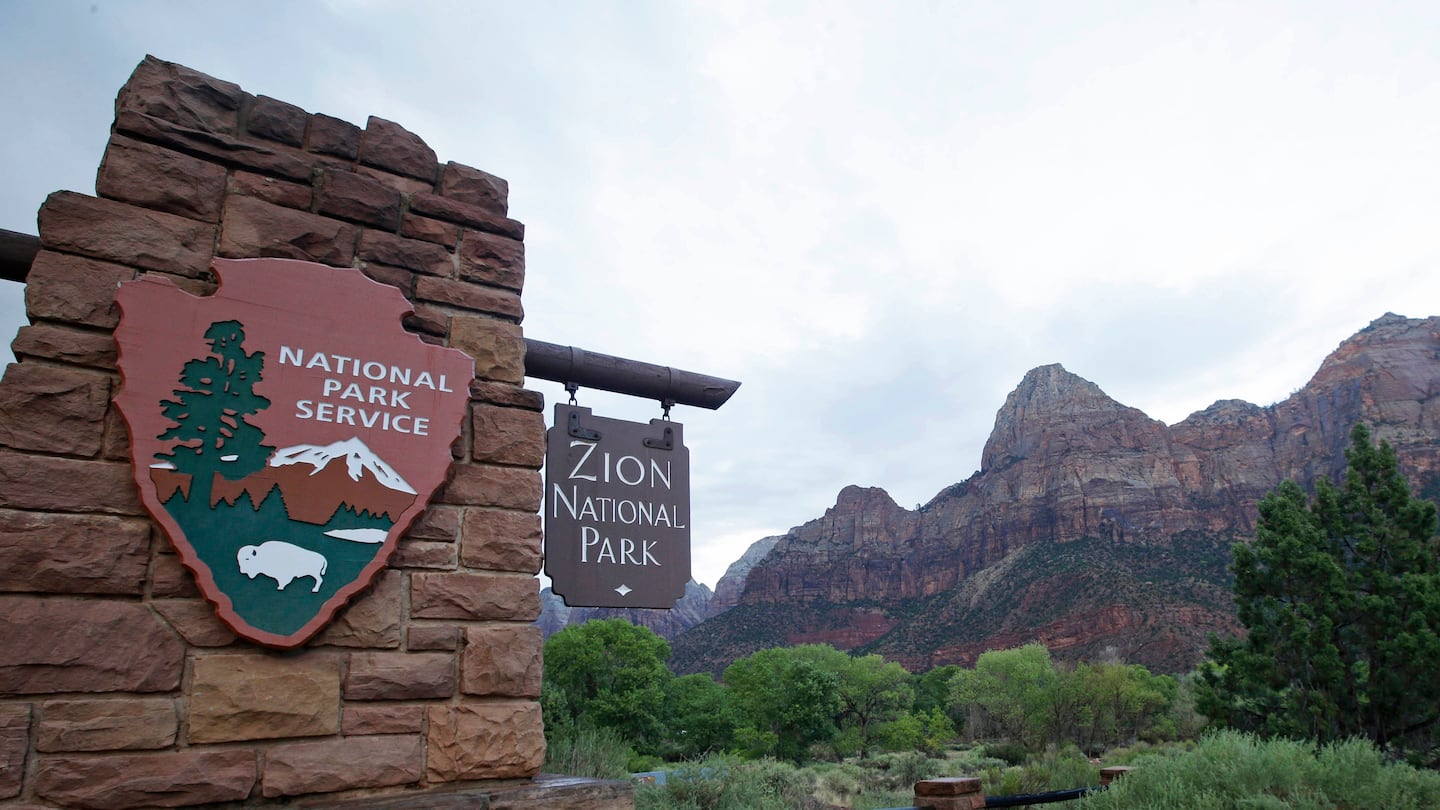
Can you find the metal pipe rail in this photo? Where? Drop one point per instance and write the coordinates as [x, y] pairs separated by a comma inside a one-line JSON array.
[[545, 361]]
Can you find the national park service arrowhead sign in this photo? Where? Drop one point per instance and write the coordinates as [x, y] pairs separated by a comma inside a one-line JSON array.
[[285, 431]]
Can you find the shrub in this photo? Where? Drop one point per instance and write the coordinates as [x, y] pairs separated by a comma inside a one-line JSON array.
[[894, 772], [1010, 752], [727, 783], [1233, 769]]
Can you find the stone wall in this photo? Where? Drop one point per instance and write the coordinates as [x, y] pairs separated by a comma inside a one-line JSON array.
[[119, 687]]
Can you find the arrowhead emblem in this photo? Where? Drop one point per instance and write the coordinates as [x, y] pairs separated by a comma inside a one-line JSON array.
[[285, 431]]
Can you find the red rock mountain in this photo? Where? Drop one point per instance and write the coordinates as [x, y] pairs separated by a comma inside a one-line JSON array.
[[1090, 526]]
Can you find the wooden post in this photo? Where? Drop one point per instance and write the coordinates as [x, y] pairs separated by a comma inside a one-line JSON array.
[[950, 793], [1110, 774]]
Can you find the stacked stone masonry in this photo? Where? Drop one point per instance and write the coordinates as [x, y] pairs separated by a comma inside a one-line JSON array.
[[119, 687]]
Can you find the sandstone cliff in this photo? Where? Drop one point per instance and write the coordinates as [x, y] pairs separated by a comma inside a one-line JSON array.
[[732, 583], [1090, 526]]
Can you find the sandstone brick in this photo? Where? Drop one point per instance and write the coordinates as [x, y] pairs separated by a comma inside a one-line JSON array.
[[53, 409], [14, 742], [52, 342], [107, 725], [271, 190], [404, 185], [50, 484], [411, 254], [389, 146], [499, 740], [465, 295], [424, 554], [470, 216], [196, 622], [501, 540], [382, 718], [507, 436], [492, 259], [116, 444], [502, 661], [429, 230], [257, 696], [478, 597], [62, 287], [50, 645], [254, 228], [400, 676], [160, 179], [331, 136], [497, 346], [182, 96], [436, 523], [170, 578], [344, 764], [397, 277], [160, 779], [433, 637], [507, 395], [228, 150], [430, 322], [486, 485], [97, 554], [276, 120], [474, 187], [116, 232], [349, 196], [373, 619]]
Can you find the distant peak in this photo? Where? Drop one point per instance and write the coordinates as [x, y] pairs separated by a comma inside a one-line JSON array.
[[1050, 401], [852, 497], [1388, 319], [1053, 383]]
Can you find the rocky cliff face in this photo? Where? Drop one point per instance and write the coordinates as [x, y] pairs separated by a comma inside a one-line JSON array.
[[732, 584], [995, 561]]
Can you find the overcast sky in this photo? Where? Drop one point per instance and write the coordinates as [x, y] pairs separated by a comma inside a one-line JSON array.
[[877, 216]]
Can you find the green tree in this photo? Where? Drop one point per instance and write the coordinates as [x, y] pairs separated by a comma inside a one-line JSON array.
[[1007, 695], [1341, 600], [697, 716], [1098, 706], [872, 691], [209, 410], [932, 689], [607, 674], [785, 701]]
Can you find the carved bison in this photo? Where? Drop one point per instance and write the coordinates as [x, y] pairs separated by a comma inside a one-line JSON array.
[[282, 562]]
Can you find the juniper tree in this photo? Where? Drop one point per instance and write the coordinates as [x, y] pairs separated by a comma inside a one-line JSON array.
[[1340, 595]]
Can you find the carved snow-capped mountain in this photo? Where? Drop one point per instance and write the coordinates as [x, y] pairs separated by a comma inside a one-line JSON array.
[[358, 458]]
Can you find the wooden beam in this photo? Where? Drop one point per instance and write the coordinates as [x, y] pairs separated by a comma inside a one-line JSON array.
[[17, 252], [568, 364]]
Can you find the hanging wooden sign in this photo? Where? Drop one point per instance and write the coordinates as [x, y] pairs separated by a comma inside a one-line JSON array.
[[617, 510], [285, 431]]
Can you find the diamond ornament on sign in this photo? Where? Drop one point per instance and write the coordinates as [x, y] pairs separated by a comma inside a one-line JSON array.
[[285, 432]]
